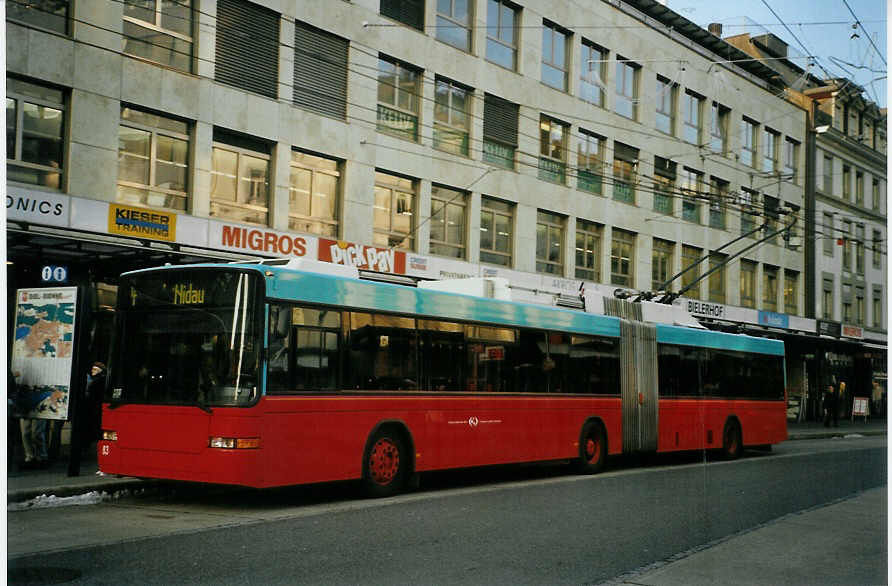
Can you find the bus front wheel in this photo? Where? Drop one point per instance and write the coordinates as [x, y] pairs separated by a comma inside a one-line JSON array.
[[592, 449], [732, 440], [385, 464]]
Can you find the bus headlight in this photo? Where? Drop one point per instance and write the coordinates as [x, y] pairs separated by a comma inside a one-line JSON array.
[[109, 436], [234, 443]]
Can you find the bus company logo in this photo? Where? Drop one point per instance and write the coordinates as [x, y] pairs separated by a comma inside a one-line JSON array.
[[186, 295], [263, 241], [141, 223], [473, 421], [385, 260]]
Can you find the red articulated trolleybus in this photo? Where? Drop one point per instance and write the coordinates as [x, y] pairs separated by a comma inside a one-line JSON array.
[[268, 375]]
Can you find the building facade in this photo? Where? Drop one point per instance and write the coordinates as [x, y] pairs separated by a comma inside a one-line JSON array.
[[417, 140]]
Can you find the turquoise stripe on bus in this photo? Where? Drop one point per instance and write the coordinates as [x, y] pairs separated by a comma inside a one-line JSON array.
[[368, 295], [717, 340]]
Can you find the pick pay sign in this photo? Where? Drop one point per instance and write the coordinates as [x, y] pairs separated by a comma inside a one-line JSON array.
[[385, 260]]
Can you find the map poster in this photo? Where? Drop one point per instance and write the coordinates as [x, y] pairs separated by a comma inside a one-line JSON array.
[[42, 351]]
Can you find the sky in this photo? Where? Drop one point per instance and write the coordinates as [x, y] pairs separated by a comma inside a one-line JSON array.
[[824, 29]]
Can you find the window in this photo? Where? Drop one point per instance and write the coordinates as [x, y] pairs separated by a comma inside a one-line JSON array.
[[667, 94], [877, 255], [878, 308], [408, 12], [501, 33], [313, 191], [593, 67], [553, 150], [622, 258], [846, 182], [454, 23], [35, 131], [827, 299], [251, 65], [859, 188], [748, 142], [625, 166], [859, 249], [48, 14], [748, 211], [496, 231], [771, 217], [827, 234], [717, 197], [394, 212], [847, 303], [303, 349], [320, 71], [160, 31], [717, 277], [692, 113], [690, 255], [549, 243], [718, 128], [448, 221], [590, 162], [153, 160], [661, 262], [791, 292], [555, 42], [499, 131], [451, 117], [769, 288], [860, 317], [383, 352], [847, 245], [626, 88], [664, 185], [875, 195], [588, 251], [828, 175], [770, 140], [747, 283], [791, 159], [397, 99], [239, 178], [691, 187]]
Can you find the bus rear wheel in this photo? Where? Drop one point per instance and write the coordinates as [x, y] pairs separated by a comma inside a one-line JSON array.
[[732, 440], [385, 463], [592, 449]]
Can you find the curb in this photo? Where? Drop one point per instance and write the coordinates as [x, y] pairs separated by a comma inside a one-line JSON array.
[[66, 490], [835, 433]]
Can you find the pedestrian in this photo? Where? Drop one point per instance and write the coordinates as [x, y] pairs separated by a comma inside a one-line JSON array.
[[830, 406], [34, 442], [92, 409]]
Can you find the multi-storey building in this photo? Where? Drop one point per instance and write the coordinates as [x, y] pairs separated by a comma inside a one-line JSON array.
[[845, 206], [551, 143]]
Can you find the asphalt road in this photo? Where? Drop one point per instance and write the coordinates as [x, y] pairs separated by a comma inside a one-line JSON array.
[[516, 525]]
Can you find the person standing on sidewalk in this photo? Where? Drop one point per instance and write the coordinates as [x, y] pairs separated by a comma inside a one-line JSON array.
[[830, 406]]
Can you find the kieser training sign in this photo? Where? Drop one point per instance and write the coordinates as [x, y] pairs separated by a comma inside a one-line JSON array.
[[42, 351], [142, 223]]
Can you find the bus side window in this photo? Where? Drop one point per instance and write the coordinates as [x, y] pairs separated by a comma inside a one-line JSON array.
[[279, 348]]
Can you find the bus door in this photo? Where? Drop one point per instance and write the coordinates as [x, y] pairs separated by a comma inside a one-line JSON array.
[[640, 386]]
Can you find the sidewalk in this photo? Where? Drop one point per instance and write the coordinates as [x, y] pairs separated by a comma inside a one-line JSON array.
[[23, 485], [795, 549]]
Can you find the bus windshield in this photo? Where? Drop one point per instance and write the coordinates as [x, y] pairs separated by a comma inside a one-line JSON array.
[[187, 338]]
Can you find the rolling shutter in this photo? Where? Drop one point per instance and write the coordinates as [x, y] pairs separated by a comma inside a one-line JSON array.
[[500, 120], [247, 55], [410, 12], [320, 71]]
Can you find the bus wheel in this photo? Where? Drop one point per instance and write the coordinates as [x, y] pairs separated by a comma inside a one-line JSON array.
[[592, 449], [732, 442], [386, 461]]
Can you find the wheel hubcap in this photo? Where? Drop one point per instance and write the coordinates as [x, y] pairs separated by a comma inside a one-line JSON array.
[[384, 461], [592, 449]]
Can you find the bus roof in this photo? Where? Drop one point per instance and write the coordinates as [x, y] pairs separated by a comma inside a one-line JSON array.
[[357, 294]]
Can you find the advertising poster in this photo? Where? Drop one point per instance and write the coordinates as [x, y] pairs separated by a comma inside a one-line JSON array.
[[42, 351]]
